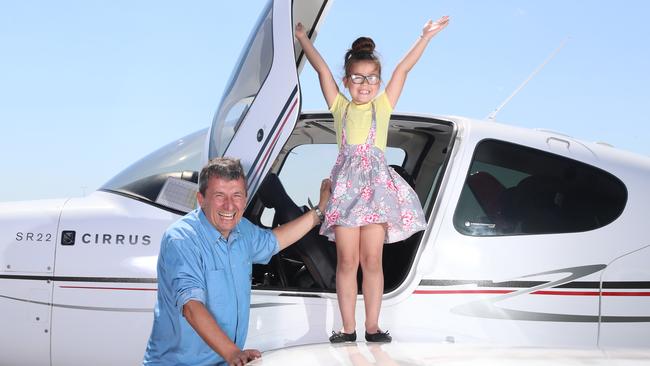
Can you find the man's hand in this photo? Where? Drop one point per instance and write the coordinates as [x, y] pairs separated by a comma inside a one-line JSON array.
[[295, 229], [240, 358], [206, 326]]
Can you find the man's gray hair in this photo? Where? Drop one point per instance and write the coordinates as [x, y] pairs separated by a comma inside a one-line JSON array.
[[224, 168]]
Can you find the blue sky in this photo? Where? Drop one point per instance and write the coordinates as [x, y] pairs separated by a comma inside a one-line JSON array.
[[88, 87]]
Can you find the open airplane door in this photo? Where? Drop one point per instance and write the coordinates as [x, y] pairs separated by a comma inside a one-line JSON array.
[[261, 103]]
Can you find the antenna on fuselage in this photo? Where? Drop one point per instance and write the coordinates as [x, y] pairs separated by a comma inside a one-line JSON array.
[[493, 115]]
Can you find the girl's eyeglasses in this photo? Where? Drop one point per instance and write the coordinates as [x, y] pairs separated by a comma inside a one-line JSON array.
[[359, 79]]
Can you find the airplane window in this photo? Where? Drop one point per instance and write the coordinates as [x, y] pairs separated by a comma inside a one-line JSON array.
[[516, 190], [252, 68], [145, 178]]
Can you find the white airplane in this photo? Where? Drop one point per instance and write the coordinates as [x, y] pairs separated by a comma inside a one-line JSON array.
[[444, 354], [533, 238]]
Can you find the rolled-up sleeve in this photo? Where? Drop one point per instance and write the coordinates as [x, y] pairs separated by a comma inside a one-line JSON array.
[[185, 276], [264, 245]]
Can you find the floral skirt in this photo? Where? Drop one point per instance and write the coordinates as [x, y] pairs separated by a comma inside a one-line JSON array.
[[367, 191]]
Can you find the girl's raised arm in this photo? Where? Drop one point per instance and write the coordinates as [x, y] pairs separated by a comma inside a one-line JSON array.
[[396, 82], [327, 84]]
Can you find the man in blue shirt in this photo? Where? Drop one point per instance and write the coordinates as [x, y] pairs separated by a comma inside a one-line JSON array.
[[204, 272]]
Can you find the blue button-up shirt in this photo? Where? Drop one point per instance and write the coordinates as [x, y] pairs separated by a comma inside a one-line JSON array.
[[197, 263]]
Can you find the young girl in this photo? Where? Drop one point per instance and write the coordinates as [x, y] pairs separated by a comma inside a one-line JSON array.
[[370, 204]]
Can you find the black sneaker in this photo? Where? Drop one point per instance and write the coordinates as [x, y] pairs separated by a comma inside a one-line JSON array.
[[379, 337], [340, 337]]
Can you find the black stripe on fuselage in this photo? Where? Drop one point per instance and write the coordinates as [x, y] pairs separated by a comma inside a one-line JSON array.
[[79, 279]]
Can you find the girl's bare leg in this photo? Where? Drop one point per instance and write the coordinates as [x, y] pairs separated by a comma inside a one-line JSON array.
[[347, 264], [371, 239]]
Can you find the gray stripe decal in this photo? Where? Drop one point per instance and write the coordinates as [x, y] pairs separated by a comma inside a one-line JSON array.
[[99, 308], [489, 309], [268, 304], [25, 300], [95, 308]]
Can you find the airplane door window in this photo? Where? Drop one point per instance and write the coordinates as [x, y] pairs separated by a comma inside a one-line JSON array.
[[253, 67], [514, 190]]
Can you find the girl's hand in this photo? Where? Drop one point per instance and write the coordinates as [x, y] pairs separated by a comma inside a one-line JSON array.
[[325, 192], [431, 28], [300, 31]]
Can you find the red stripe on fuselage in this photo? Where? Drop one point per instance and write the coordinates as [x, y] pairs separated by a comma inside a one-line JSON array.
[[540, 292]]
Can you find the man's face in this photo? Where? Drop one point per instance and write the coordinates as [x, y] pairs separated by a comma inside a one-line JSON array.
[[223, 203]]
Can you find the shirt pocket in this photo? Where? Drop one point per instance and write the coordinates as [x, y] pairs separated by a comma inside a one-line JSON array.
[[219, 287]]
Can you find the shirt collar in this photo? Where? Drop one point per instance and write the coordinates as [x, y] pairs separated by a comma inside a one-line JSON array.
[[213, 234]]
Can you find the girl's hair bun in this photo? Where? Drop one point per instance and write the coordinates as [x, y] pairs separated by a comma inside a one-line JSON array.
[[363, 44], [363, 49]]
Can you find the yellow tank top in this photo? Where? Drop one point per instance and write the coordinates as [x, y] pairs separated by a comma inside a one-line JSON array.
[[360, 119]]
